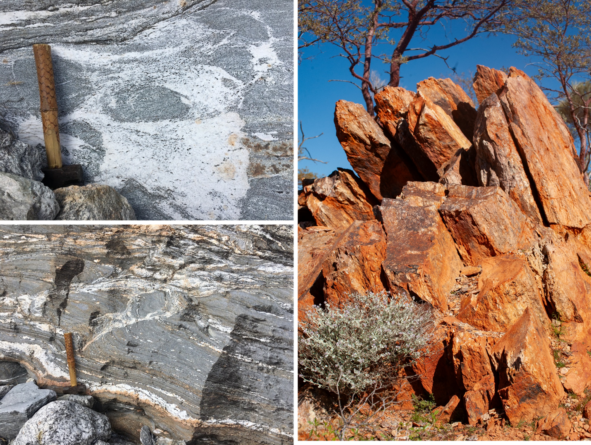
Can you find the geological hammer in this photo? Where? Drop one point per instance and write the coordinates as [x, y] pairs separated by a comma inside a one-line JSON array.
[[57, 175]]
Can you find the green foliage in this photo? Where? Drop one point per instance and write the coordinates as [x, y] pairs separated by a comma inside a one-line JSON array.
[[558, 359], [423, 409]]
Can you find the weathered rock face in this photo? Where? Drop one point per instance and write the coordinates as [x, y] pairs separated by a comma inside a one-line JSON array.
[[185, 329], [507, 288], [453, 100], [556, 424], [484, 222], [420, 256], [487, 81], [378, 163], [338, 200], [392, 105], [497, 160], [547, 147], [160, 99], [459, 169], [25, 199], [92, 202], [528, 382]]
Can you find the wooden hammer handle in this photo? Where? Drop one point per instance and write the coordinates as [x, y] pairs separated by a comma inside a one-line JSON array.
[[48, 104], [71, 359]]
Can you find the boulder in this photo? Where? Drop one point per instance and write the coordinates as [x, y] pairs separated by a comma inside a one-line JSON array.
[[21, 159], [423, 194], [498, 162], [92, 202], [459, 169], [434, 133], [338, 200], [354, 265], [446, 413], [556, 424], [392, 106], [487, 81], [485, 222], [380, 164], [479, 399], [19, 405], [546, 145], [66, 423], [87, 401], [528, 386], [24, 199], [470, 352], [453, 100], [420, 255], [507, 288], [161, 315], [12, 373], [195, 133]]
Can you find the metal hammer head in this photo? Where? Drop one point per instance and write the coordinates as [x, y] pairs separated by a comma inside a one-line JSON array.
[[65, 176]]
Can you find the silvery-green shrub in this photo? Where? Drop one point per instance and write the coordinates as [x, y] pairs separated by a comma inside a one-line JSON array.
[[362, 344]]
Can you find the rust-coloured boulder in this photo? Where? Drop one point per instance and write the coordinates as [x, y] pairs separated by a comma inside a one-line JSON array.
[[587, 410], [507, 288], [314, 246], [497, 160], [547, 147], [453, 100], [459, 169], [338, 200], [444, 414], [420, 257], [355, 263], [479, 399], [487, 81], [485, 222], [423, 194], [556, 424], [432, 137], [378, 163], [529, 386], [392, 105]]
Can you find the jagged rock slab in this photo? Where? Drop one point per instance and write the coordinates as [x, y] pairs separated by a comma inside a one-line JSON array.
[[25, 199], [21, 159], [163, 99], [92, 202], [184, 329], [66, 423], [19, 405]]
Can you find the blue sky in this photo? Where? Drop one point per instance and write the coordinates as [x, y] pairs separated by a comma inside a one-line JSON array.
[[317, 96]]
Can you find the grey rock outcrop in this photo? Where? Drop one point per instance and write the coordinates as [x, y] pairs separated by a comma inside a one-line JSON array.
[[183, 329], [21, 159], [19, 405], [92, 202], [184, 107], [86, 401], [65, 423], [146, 436], [12, 373], [24, 199]]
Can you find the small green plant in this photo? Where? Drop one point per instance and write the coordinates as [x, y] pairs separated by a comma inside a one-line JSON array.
[[521, 423], [558, 359]]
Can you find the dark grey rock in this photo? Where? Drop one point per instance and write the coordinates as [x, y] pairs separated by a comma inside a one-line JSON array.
[[24, 199], [12, 373], [146, 436], [21, 159], [92, 202], [266, 199], [4, 390], [87, 401], [156, 98], [65, 423], [185, 329], [19, 405]]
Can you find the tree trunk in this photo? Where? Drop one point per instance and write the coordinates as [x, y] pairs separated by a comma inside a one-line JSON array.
[[394, 74]]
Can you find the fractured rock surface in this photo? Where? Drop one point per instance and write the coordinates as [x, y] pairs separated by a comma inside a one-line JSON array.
[[183, 329], [25, 199], [92, 202], [184, 107]]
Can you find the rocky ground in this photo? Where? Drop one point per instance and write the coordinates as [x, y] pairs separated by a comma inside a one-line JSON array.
[[480, 213]]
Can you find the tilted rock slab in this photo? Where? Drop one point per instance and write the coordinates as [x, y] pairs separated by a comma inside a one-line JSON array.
[[420, 255], [484, 222], [497, 159], [92, 202], [338, 200], [380, 164], [547, 147], [487, 81], [185, 329], [25, 199], [162, 99], [21, 159], [529, 386]]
